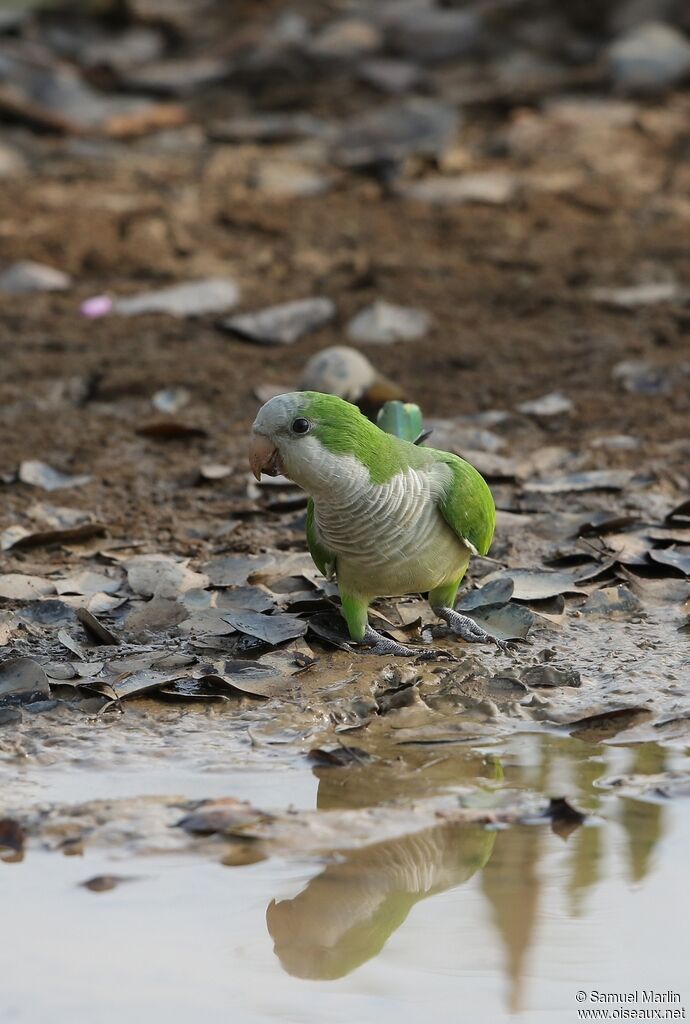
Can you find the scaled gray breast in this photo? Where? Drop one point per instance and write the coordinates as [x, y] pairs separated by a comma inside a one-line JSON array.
[[374, 522]]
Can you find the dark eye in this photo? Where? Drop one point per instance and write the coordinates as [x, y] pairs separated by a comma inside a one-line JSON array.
[[300, 426]]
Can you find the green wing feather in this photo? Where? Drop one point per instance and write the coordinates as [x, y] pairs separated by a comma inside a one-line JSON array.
[[402, 419], [468, 506], [324, 560]]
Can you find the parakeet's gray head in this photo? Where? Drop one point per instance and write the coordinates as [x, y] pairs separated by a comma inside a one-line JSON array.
[[320, 441], [283, 439], [316, 440]]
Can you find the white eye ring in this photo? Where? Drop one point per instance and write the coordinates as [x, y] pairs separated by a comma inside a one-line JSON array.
[[300, 425]]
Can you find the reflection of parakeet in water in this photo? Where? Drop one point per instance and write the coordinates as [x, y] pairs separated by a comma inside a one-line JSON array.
[[386, 516], [345, 915]]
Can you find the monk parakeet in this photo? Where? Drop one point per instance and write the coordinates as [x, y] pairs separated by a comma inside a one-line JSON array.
[[385, 517]]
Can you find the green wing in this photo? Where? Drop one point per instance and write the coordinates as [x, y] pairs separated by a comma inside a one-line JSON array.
[[324, 560], [468, 506], [402, 419]]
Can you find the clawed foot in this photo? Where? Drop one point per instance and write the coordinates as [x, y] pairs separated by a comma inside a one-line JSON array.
[[467, 629], [376, 643]]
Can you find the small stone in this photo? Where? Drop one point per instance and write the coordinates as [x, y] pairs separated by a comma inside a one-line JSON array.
[[338, 370], [271, 127], [617, 442], [346, 39], [40, 474], [170, 400], [640, 377], [432, 34], [179, 77], [650, 58], [282, 324], [26, 277], [214, 471], [12, 162], [11, 20], [194, 298], [650, 294], [394, 132], [549, 675], [120, 50], [287, 180], [491, 187], [390, 76], [383, 323], [553, 404]]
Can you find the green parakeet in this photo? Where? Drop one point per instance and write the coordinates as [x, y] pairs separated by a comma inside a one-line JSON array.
[[385, 516]]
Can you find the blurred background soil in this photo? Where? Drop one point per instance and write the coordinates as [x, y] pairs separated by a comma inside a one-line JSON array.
[[576, 185]]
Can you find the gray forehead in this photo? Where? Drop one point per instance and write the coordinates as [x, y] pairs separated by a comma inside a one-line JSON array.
[[278, 412]]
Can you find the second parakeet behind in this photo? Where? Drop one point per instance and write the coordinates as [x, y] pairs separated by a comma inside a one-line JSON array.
[[385, 516]]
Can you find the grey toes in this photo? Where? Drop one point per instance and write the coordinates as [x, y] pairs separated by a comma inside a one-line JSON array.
[[376, 643], [468, 630]]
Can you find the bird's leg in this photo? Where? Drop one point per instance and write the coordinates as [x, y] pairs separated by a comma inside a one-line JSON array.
[[467, 629], [442, 600], [355, 611]]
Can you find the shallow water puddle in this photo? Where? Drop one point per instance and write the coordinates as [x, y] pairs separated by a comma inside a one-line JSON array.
[[461, 919]]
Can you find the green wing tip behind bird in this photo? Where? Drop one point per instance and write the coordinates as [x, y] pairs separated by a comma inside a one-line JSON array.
[[386, 517], [403, 420]]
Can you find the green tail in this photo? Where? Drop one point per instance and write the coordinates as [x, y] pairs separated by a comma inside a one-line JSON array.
[[403, 420]]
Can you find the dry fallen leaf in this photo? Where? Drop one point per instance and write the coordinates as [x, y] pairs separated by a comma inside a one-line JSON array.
[[161, 576], [273, 629], [234, 570], [508, 622], [537, 584], [88, 583], [592, 480], [16, 587], [254, 678], [226, 816], [499, 591], [23, 679], [19, 538], [677, 558], [96, 629]]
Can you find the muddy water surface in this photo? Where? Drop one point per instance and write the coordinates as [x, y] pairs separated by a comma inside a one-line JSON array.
[[471, 922]]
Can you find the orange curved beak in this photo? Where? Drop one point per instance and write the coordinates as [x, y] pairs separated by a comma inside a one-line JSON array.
[[264, 457]]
